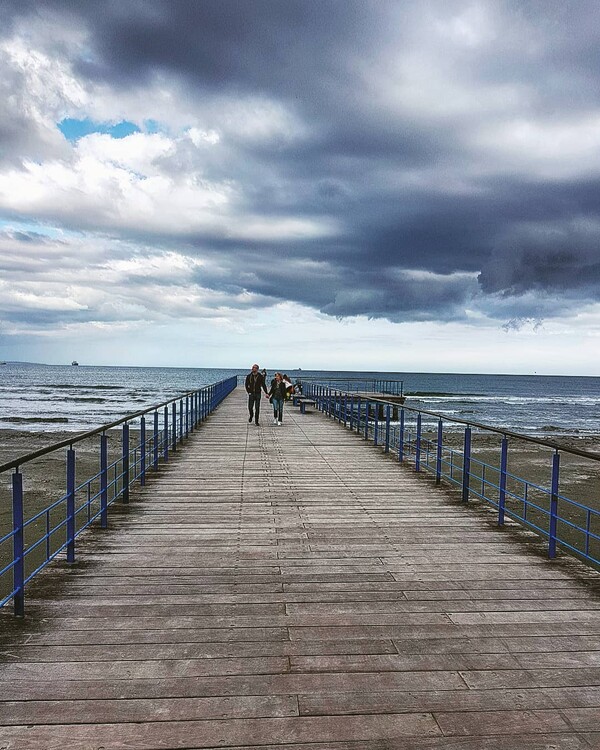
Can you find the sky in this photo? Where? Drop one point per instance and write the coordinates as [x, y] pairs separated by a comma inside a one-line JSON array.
[[393, 185]]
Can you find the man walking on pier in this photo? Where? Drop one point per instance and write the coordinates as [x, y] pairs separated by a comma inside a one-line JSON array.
[[255, 382]]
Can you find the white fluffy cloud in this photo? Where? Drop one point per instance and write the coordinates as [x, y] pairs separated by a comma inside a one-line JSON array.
[[433, 166]]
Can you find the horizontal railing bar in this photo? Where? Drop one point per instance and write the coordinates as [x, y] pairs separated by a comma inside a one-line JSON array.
[[15, 463], [506, 433]]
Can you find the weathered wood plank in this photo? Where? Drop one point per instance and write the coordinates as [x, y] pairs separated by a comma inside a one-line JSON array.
[[292, 587]]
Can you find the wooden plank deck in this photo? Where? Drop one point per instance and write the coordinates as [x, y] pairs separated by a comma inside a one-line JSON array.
[[292, 587]]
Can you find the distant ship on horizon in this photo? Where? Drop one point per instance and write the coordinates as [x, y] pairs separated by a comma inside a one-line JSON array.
[[74, 363]]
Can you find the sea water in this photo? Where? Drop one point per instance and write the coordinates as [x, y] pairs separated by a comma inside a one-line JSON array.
[[77, 398]]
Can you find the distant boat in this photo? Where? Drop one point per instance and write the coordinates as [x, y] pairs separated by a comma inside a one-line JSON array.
[[2, 363], [75, 363]]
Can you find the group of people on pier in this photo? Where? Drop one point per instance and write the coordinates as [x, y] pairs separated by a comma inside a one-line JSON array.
[[280, 390]]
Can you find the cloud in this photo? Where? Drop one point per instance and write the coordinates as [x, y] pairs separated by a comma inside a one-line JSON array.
[[437, 162]]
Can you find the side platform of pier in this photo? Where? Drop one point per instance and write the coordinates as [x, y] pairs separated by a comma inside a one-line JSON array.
[[294, 587]]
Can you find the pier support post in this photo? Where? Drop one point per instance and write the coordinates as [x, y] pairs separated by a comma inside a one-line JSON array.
[[554, 505], [125, 463], [503, 468], [143, 451], [70, 506], [18, 545], [166, 434], [438, 457], [155, 441], [401, 437], [103, 481], [418, 445], [174, 427], [466, 465], [387, 428]]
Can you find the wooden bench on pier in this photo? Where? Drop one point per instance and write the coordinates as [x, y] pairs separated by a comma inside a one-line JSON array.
[[304, 402]]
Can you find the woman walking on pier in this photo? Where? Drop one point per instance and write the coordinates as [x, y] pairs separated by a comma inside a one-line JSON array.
[[277, 397]]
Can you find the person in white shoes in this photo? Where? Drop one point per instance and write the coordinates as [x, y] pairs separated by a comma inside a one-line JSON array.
[[277, 397]]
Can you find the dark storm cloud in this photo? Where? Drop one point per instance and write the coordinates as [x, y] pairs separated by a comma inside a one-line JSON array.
[[405, 180]]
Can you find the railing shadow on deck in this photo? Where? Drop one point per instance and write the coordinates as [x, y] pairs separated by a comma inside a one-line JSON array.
[[34, 529], [478, 462]]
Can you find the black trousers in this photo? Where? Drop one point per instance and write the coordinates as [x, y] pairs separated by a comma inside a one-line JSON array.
[[254, 405]]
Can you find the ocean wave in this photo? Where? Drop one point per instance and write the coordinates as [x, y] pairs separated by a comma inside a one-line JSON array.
[[81, 387], [86, 399], [439, 394], [34, 420]]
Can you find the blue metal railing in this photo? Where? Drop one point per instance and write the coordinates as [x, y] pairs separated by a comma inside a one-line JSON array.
[[31, 543], [419, 436], [354, 385]]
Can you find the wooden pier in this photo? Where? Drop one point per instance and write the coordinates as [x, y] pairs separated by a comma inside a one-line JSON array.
[[293, 587]]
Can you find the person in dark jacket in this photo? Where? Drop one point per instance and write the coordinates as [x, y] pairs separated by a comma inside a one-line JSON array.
[[277, 395], [255, 383]]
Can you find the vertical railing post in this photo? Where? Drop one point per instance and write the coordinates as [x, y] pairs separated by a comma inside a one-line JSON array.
[[70, 505], [351, 418], [18, 545], [125, 454], [174, 426], [376, 425], [387, 428], [358, 408], [466, 478], [188, 404], [345, 409], [554, 505], [503, 468], [181, 417], [103, 480], [438, 458], [166, 434], [367, 404], [155, 441], [401, 437], [143, 450], [418, 445]]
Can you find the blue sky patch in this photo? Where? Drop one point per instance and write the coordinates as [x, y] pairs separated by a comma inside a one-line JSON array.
[[73, 129]]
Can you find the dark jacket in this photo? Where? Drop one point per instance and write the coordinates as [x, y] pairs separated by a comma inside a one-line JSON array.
[[278, 390], [254, 383]]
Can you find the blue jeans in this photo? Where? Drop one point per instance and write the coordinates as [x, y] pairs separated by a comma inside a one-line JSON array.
[[278, 409]]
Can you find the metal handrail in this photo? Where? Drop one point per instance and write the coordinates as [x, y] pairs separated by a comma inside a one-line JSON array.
[[362, 413], [499, 431], [78, 437], [131, 465]]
